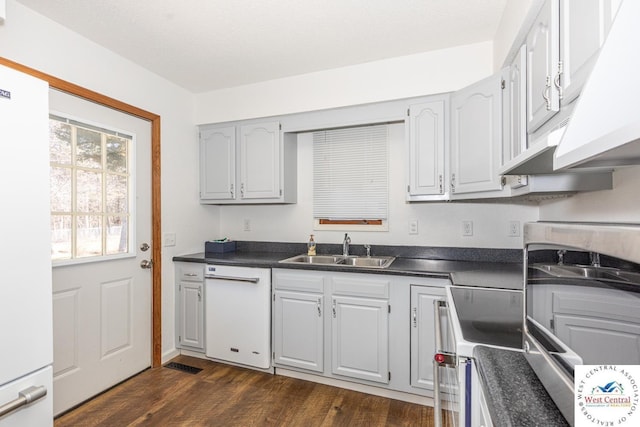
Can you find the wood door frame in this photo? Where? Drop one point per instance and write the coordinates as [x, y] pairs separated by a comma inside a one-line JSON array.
[[154, 119]]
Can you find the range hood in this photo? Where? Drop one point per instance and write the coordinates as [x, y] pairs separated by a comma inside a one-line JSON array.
[[604, 130]]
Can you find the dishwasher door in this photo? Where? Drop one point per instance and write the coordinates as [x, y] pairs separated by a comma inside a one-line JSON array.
[[238, 315]]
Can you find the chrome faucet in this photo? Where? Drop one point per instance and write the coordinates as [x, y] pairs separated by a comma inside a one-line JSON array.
[[368, 249], [345, 245], [594, 258], [561, 254]]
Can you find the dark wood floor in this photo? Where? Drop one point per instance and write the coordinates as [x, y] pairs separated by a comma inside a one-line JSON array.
[[223, 395]]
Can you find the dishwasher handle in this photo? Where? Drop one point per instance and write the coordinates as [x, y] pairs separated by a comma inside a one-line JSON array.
[[234, 278]]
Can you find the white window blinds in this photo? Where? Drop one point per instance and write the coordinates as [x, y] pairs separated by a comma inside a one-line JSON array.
[[350, 173]]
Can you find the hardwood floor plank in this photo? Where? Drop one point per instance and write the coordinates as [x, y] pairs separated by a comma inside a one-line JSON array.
[[224, 395]]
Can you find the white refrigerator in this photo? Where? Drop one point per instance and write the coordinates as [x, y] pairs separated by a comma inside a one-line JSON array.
[[26, 334]]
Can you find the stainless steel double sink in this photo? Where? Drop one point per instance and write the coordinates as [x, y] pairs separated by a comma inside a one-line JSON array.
[[340, 260]]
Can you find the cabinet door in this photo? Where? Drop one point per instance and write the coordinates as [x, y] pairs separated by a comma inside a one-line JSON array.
[[514, 117], [260, 161], [426, 148], [218, 164], [476, 137], [423, 344], [543, 55], [360, 338], [191, 333], [584, 25], [298, 330]]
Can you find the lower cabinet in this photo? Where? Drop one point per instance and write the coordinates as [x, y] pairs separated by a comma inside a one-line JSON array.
[[423, 341], [357, 327], [299, 330], [190, 306], [360, 338]]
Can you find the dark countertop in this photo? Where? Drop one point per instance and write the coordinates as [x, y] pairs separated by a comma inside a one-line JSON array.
[[515, 397], [505, 275]]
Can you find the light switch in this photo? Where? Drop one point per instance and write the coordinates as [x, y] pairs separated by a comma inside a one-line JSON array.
[[169, 239]]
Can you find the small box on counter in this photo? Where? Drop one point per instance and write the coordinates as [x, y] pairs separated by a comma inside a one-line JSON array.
[[219, 247]]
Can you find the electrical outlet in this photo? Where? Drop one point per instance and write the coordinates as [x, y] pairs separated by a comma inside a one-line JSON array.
[[467, 228], [169, 239], [413, 226], [514, 228], [247, 225]]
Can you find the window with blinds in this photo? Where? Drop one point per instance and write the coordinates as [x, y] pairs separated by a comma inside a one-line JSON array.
[[350, 176]]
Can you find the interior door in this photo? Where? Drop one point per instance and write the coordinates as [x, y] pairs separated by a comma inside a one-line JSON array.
[[101, 306]]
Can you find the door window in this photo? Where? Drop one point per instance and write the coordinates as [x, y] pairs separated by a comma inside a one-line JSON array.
[[90, 190]]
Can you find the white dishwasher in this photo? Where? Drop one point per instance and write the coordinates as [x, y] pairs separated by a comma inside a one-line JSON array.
[[238, 315]]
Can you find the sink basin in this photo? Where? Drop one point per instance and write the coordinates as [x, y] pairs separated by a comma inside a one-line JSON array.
[[590, 272], [376, 262], [313, 259], [349, 261]]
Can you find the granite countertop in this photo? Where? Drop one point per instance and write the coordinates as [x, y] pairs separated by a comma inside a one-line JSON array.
[[515, 397], [505, 275]]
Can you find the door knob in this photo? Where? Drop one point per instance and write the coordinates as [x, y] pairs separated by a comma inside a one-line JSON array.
[[144, 247], [145, 263]]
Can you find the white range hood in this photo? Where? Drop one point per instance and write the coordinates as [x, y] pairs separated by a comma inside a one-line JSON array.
[[604, 130]]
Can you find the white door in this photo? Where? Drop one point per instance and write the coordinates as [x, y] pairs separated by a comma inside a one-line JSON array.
[[101, 304], [360, 338], [476, 137], [298, 337]]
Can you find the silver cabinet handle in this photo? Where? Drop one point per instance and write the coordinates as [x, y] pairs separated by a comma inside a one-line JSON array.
[[25, 397], [235, 279], [242, 190], [453, 182], [319, 307], [415, 317], [199, 293], [556, 81], [546, 93], [191, 274], [231, 191], [333, 308], [440, 183]]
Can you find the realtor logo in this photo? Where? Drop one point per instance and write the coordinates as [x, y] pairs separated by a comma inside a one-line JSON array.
[[607, 395], [5, 94]]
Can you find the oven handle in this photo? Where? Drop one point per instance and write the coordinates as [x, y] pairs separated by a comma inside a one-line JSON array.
[[234, 278], [437, 402]]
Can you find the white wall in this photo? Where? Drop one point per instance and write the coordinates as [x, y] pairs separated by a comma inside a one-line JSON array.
[[440, 224], [621, 204], [37, 42], [514, 16], [408, 76]]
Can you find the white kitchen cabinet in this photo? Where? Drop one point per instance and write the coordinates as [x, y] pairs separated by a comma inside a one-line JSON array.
[[543, 57], [423, 341], [514, 106], [247, 163], [299, 330], [428, 139], [476, 137], [357, 351], [584, 25], [190, 306], [298, 319], [218, 164]]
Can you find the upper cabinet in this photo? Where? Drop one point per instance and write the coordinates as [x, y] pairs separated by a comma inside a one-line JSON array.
[[427, 129], [250, 163], [543, 57], [514, 96], [561, 48], [476, 137]]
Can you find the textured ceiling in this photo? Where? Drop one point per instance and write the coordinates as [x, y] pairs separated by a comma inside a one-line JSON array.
[[204, 45]]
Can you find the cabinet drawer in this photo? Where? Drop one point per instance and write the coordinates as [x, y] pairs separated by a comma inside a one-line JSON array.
[[297, 281], [360, 285], [191, 273]]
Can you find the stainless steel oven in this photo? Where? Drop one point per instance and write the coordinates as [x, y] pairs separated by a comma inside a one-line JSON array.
[[582, 301]]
